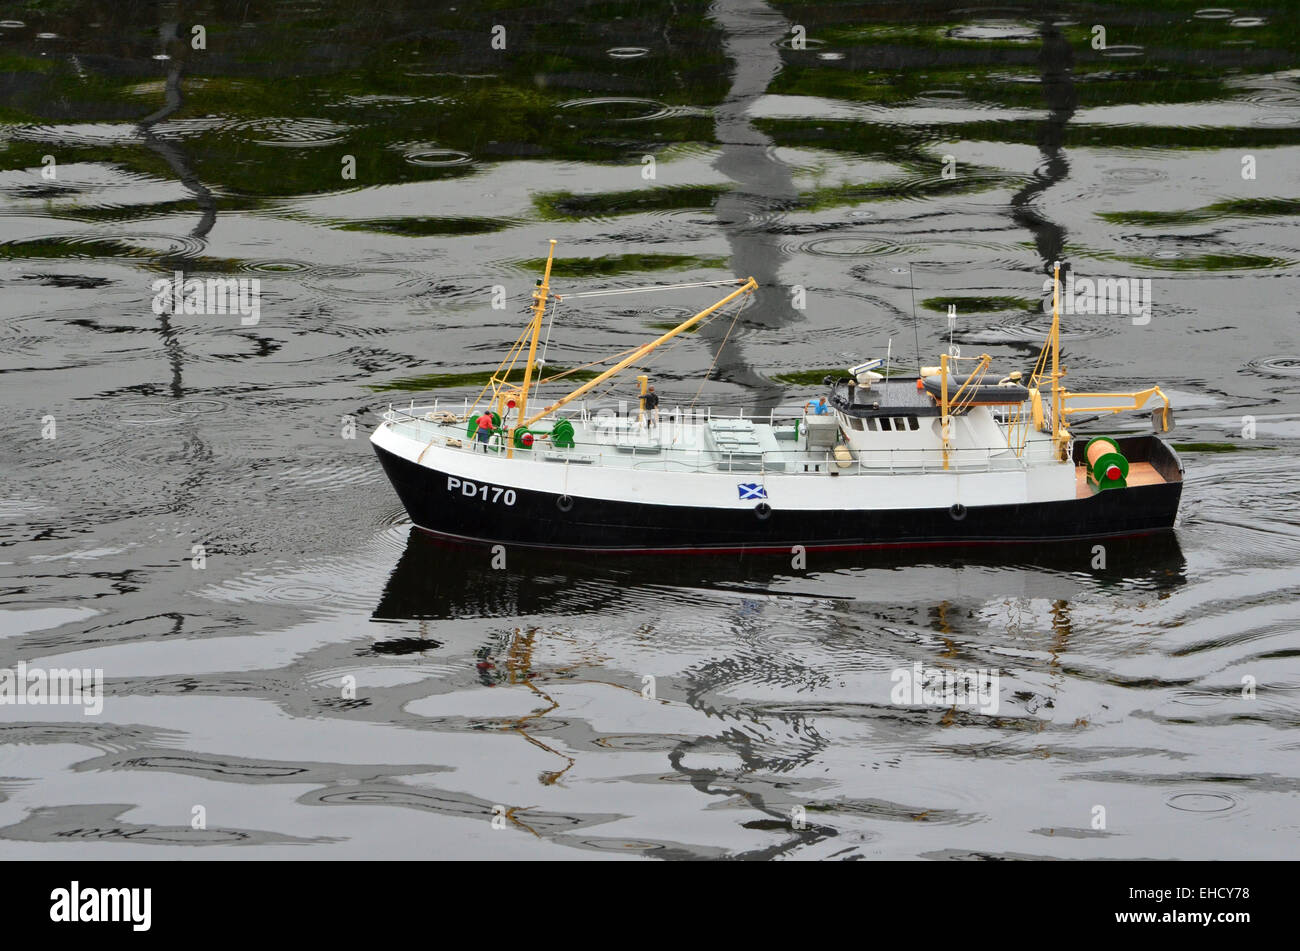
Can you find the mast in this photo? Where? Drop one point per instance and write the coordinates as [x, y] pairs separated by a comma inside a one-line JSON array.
[[1059, 434], [641, 351], [539, 310], [945, 421], [1061, 398]]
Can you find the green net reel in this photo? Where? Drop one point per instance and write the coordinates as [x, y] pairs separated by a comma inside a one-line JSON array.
[[1107, 467], [562, 435]]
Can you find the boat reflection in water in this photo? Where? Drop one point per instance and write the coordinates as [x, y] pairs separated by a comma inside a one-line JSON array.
[[754, 662], [439, 579]]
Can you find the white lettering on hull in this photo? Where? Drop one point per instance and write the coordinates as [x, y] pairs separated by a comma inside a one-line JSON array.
[[488, 493]]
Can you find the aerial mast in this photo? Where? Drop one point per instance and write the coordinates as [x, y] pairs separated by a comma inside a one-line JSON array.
[[540, 295], [1059, 433]]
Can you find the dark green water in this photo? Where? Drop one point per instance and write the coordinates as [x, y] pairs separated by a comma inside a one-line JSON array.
[[381, 169]]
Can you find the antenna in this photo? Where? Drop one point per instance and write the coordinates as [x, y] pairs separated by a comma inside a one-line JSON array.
[[916, 333]]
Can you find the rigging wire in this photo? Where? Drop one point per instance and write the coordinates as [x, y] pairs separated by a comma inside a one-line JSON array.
[[549, 324], [517, 349], [614, 357], [593, 363], [510, 358], [721, 346], [657, 353], [647, 290]]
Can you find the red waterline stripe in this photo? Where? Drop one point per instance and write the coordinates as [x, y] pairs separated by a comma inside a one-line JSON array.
[[785, 549]]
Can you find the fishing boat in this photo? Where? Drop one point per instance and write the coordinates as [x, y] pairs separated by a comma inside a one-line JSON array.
[[950, 454]]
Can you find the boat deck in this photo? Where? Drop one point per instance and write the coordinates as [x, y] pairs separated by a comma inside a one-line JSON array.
[[707, 444], [1139, 473]]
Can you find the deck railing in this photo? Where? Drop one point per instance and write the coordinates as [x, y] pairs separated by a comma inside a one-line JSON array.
[[668, 458]]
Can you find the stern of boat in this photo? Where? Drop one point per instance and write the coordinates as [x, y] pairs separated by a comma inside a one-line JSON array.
[[1153, 487]]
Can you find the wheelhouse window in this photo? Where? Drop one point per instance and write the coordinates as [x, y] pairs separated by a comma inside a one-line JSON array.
[[892, 424]]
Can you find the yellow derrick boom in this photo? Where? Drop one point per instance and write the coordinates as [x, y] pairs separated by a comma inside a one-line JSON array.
[[1136, 400], [640, 352]]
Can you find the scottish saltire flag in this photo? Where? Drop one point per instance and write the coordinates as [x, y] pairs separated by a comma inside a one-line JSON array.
[[752, 490]]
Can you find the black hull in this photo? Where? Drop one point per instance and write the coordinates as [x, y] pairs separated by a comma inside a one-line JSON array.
[[545, 520]]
